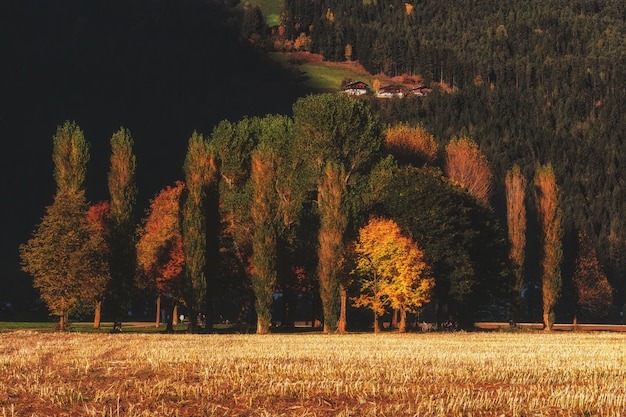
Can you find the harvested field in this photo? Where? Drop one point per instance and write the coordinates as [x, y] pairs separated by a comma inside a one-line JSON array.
[[453, 374]]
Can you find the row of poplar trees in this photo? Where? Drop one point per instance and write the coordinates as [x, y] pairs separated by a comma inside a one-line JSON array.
[[247, 188]]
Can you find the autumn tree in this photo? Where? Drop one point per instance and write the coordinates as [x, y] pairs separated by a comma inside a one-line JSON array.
[[99, 216], [394, 270], [412, 145], [123, 194], [594, 293], [466, 165], [339, 138], [160, 255], [200, 170], [516, 220], [64, 254], [549, 215]]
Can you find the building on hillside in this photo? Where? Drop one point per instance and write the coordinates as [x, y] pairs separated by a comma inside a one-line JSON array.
[[357, 88], [388, 91], [421, 90]]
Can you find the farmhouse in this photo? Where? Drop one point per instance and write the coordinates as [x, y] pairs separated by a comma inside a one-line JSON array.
[[357, 88], [390, 91], [421, 90]]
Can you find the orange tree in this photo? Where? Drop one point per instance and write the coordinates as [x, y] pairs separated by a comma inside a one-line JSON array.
[[160, 255], [393, 270]]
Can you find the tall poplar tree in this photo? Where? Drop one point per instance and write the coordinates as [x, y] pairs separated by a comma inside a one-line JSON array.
[[199, 171], [550, 218], [340, 138], [123, 193], [264, 237], [516, 220]]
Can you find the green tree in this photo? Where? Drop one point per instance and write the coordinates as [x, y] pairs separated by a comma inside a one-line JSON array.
[[465, 245], [339, 138], [200, 170], [264, 236], [123, 193], [70, 156], [394, 270], [550, 218]]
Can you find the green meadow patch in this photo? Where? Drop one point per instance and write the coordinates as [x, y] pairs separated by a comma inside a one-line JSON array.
[[271, 9]]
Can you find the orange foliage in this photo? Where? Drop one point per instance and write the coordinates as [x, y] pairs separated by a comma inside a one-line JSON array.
[[160, 254], [412, 145], [408, 8], [466, 165]]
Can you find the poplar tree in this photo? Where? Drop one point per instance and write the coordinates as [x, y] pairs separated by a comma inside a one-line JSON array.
[[516, 220], [339, 138], [264, 237], [199, 171], [123, 193], [550, 218]]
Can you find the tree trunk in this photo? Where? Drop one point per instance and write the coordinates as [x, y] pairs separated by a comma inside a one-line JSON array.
[[262, 326], [394, 320], [402, 324], [96, 317], [342, 312], [158, 312], [63, 322], [175, 315], [376, 323]]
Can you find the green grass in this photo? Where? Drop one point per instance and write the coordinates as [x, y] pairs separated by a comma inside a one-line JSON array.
[[105, 327], [322, 76], [271, 10]]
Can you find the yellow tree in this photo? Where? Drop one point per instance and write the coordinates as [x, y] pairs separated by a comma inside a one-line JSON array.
[[393, 269], [412, 145], [516, 221], [549, 216], [466, 165]]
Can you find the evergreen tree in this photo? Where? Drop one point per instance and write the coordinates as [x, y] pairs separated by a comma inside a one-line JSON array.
[[123, 193]]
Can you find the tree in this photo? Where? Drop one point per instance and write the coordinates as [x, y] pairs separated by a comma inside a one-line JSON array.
[[63, 254], [594, 293], [466, 247], [339, 138], [394, 270], [64, 257], [516, 221], [412, 145], [200, 170], [99, 216], [123, 193], [264, 236], [70, 156], [549, 216], [468, 166], [160, 255]]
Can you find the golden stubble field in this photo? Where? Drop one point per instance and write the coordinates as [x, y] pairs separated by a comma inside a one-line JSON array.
[[461, 374]]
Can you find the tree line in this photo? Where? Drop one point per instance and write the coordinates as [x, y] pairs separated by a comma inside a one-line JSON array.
[[328, 202]]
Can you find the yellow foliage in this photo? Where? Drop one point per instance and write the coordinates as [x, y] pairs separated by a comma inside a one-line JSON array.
[[466, 165], [408, 8], [394, 270]]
